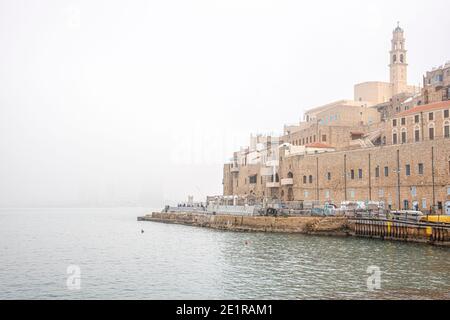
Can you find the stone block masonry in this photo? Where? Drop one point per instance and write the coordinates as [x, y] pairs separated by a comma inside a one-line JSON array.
[[313, 225]]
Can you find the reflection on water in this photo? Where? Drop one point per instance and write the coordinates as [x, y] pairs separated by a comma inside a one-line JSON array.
[[180, 262]]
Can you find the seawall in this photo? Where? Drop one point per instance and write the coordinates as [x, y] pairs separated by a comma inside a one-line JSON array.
[[307, 225], [436, 234]]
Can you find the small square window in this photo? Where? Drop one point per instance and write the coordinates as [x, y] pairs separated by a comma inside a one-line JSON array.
[[403, 121], [431, 116], [394, 122]]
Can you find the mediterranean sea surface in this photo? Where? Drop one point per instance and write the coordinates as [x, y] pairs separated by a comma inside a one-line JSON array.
[[103, 254]]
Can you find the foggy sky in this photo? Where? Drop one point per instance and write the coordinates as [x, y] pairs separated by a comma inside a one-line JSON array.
[[140, 102]]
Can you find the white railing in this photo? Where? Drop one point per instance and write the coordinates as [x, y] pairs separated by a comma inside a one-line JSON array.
[[272, 185], [287, 182], [233, 210]]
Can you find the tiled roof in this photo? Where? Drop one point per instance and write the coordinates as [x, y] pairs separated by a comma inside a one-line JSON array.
[[426, 107], [318, 145]]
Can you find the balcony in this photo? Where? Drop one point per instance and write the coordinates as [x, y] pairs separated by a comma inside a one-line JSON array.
[[234, 169], [287, 182], [272, 185]]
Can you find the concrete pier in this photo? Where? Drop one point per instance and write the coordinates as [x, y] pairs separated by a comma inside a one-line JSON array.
[[312, 225]]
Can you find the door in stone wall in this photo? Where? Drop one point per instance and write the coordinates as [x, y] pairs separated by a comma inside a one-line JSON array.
[[290, 194]]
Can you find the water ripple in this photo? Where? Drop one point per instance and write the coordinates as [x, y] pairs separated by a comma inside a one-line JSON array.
[[179, 262]]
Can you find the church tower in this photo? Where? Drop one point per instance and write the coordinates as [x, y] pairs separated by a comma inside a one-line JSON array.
[[398, 66]]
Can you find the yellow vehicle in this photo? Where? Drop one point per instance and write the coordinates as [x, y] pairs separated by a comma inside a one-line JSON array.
[[436, 218]]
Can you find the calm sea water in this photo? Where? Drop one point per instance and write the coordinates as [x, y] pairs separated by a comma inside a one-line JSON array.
[[117, 261]]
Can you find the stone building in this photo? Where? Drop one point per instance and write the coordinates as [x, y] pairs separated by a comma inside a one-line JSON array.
[[396, 152], [436, 84], [421, 123], [405, 176], [335, 124]]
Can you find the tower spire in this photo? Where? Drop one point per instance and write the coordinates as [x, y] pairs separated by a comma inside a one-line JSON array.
[[398, 65]]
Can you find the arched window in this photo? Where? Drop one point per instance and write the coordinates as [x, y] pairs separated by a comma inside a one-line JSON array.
[[277, 178], [447, 129], [431, 131], [394, 136], [401, 58], [417, 133], [290, 175], [395, 58], [403, 135]]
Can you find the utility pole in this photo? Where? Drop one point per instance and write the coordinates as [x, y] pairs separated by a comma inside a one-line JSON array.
[[398, 179], [432, 177], [345, 177], [317, 179], [370, 182]]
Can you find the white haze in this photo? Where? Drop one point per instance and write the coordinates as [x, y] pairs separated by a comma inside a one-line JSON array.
[[113, 103]]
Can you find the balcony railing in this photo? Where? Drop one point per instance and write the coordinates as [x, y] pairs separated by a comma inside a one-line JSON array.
[[272, 185], [287, 182]]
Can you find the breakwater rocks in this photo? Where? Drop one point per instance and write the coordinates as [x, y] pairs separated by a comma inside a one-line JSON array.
[[308, 225]]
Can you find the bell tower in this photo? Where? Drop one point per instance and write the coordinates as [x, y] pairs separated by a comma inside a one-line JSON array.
[[398, 66]]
